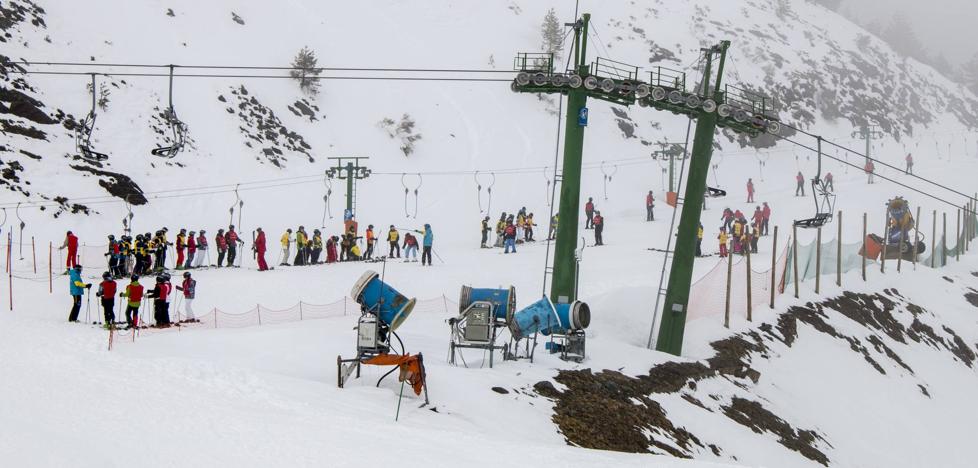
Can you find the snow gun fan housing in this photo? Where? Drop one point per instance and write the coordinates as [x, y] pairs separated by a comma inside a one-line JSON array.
[[374, 296], [503, 301], [546, 318]]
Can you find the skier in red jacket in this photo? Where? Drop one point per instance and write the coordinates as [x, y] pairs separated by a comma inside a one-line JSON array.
[[766, 211], [758, 219], [331, 249], [260, 250], [222, 246], [71, 243], [589, 213], [750, 190], [649, 207], [800, 189], [106, 291]]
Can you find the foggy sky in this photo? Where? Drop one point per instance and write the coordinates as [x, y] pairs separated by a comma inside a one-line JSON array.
[[946, 26]]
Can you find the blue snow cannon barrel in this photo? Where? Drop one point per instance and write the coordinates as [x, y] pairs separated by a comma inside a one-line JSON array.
[[573, 316], [376, 296], [546, 318], [503, 300]]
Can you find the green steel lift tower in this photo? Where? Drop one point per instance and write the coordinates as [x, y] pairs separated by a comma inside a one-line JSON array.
[[711, 104]]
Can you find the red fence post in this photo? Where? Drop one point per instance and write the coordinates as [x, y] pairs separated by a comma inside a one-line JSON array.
[[50, 268]]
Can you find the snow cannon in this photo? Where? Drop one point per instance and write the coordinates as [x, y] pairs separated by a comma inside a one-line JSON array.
[[380, 299], [543, 317], [503, 300]]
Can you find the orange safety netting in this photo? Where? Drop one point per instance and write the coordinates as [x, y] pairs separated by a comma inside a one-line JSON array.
[[412, 369]]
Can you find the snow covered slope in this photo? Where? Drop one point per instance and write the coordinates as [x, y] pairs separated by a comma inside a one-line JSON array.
[[266, 395]]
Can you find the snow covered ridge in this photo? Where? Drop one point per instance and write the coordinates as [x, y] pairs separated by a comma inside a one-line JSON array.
[[824, 380], [822, 72]]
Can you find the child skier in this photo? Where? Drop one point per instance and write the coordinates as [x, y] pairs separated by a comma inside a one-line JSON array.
[[106, 291], [134, 295], [410, 247], [723, 242], [509, 238], [189, 288]]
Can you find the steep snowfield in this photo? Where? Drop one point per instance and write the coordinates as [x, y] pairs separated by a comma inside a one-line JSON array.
[[266, 395]]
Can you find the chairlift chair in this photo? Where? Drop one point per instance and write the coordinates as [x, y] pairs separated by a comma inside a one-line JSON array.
[[823, 196], [177, 128], [83, 133]]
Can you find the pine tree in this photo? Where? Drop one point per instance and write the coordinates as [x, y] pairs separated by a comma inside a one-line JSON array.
[[305, 71], [553, 38]]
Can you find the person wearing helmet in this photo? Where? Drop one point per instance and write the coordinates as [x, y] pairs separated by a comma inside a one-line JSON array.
[[181, 247], [286, 242], [106, 291], [315, 246], [160, 293], [427, 239], [112, 254], [301, 239], [134, 297], [201, 249], [77, 287], [232, 243], [371, 239], [260, 247], [393, 238], [70, 243], [189, 288], [222, 246], [191, 249], [485, 232]]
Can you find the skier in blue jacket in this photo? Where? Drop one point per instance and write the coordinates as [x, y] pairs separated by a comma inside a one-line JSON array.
[[76, 287], [428, 237]]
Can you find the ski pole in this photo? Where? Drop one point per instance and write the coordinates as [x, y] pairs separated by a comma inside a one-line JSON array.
[[88, 305]]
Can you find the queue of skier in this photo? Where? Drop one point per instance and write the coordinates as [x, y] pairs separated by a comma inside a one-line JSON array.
[[133, 295], [737, 234]]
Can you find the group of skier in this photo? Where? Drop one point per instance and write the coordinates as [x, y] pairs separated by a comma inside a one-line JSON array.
[[146, 253], [134, 294], [511, 229], [345, 247], [737, 234]]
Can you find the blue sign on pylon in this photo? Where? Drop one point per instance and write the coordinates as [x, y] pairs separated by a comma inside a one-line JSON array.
[[582, 117]]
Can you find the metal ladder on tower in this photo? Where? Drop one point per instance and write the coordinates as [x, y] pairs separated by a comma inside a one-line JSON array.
[[548, 269], [665, 268]]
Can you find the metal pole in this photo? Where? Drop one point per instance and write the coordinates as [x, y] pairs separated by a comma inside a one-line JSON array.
[[818, 260], [681, 273], [34, 247], [726, 313], [933, 242], [794, 255], [564, 262], [50, 268], [349, 187], [774, 263]]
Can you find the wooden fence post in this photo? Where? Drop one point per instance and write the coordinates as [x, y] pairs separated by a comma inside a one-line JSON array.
[[794, 254], [957, 242], [726, 313], [886, 241], [50, 268], [774, 264], [916, 239], [838, 252], [864, 247], [944, 239], [818, 260], [258, 307], [750, 298], [300, 311], [933, 243]]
